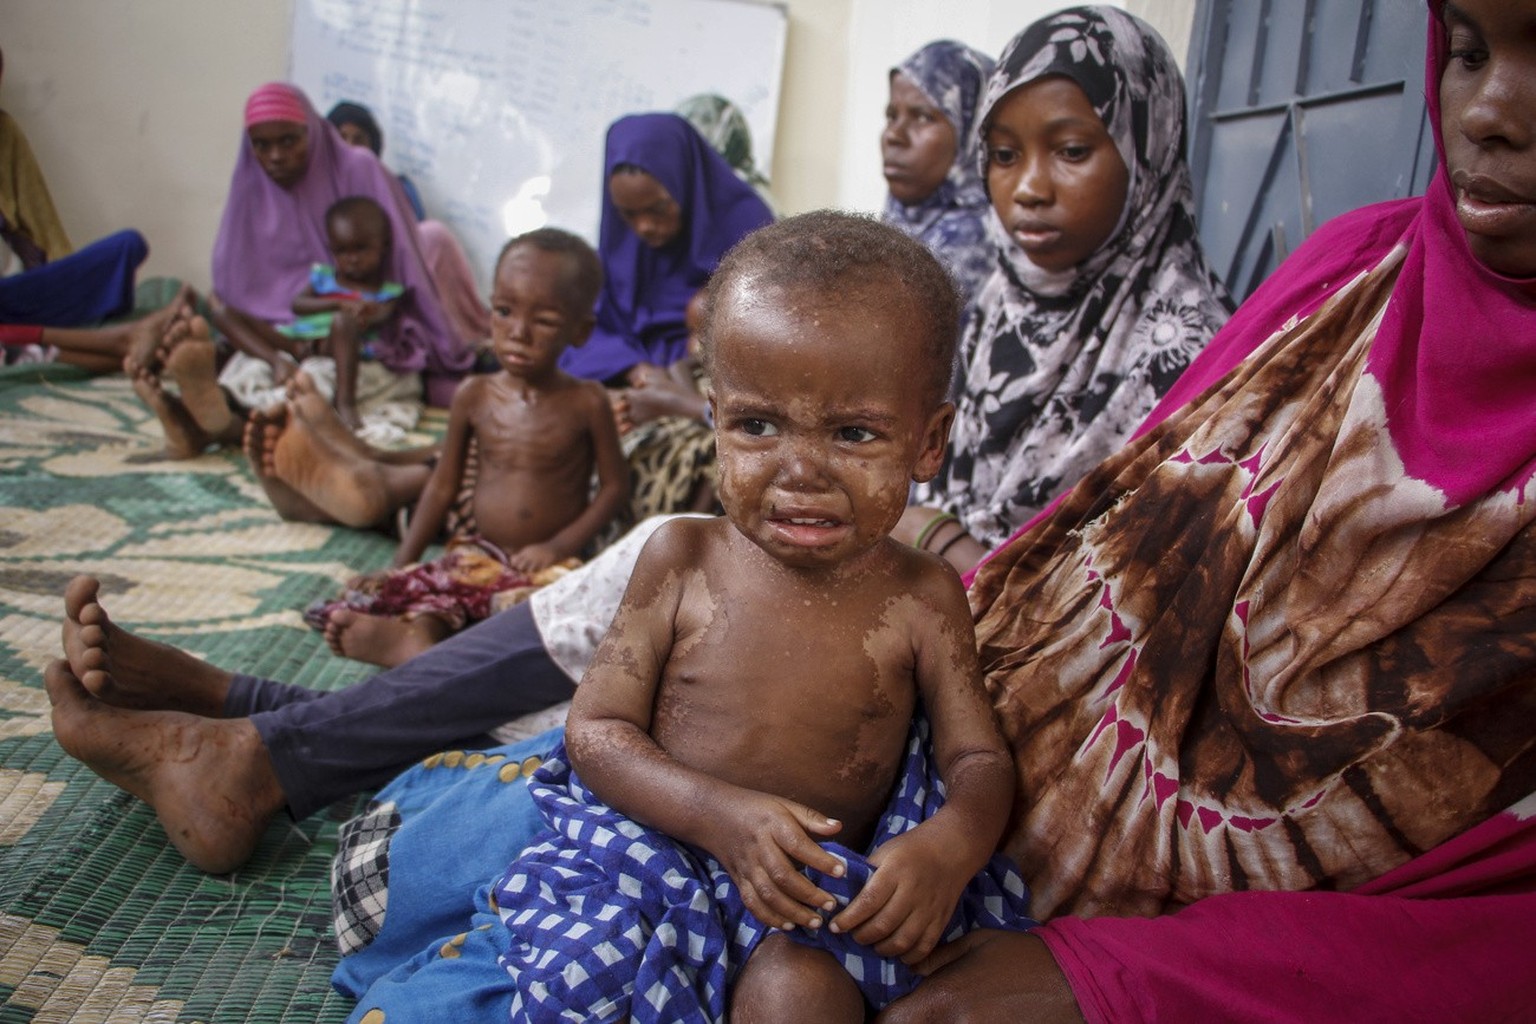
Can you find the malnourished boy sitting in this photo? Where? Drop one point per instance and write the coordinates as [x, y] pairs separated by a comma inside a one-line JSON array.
[[537, 434], [771, 679]]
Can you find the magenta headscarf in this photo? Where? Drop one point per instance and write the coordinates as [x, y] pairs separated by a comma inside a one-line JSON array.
[[1456, 350], [270, 236], [645, 290]]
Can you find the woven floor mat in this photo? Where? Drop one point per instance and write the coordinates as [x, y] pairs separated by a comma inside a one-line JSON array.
[[100, 919]]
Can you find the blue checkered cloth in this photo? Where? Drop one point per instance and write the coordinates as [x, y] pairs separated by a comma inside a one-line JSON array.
[[610, 919]]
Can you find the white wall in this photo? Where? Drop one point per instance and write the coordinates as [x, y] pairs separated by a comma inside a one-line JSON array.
[[133, 110], [133, 106]]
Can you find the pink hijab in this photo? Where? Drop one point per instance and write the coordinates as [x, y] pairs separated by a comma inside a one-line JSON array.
[[270, 236]]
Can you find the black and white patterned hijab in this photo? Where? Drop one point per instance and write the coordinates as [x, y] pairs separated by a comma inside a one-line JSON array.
[[1060, 368]]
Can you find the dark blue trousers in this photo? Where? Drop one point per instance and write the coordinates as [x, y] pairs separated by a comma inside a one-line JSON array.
[[78, 290], [327, 745]]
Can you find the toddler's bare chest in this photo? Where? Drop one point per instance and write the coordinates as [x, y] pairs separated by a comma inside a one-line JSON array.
[[806, 657], [530, 436]]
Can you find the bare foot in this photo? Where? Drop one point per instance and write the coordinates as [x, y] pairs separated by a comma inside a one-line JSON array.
[[146, 338], [262, 431], [184, 439], [323, 419], [209, 780], [347, 489], [129, 671], [316, 410], [381, 639], [192, 360]]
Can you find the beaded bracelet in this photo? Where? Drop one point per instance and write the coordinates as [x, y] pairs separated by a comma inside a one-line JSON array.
[[933, 524]]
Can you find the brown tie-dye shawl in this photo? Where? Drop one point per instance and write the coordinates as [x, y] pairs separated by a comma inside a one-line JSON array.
[[1248, 652]]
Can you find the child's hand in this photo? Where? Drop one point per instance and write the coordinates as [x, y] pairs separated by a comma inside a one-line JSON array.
[[367, 581], [375, 314], [283, 369], [904, 908], [529, 560], [761, 842]]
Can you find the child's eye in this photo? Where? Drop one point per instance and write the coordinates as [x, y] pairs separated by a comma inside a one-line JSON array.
[[758, 428], [855, 435], [502, 310], [1002, 156]]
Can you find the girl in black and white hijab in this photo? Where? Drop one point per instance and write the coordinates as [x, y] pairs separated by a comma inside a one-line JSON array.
[[1101, 295]]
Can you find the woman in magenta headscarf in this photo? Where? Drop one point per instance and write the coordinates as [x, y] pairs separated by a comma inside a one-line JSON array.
[[1269, 673], [292, 166], [672, 206]]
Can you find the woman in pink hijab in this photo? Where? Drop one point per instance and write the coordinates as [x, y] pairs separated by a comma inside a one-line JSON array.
[[292, 166], [1269, 673]]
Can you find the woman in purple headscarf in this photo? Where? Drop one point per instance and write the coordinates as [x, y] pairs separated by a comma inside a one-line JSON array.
[[672, 206], [292, 166]]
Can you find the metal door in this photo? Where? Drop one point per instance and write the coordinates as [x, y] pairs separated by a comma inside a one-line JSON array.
[[1301, 110]]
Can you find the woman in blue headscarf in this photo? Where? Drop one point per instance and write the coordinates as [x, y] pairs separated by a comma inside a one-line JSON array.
[[928, 153], [672, 206]]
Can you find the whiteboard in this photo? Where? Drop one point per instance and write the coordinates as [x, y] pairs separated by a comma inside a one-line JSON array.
[[497, 109]]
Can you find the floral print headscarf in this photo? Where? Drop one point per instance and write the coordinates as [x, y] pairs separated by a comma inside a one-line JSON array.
[[1060, 368]]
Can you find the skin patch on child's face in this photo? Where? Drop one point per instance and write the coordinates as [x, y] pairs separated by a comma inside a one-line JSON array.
[[1055, 177], [532, 321], [646, 206], [282, 150], [918, 144], [823, 416], [359, 249]]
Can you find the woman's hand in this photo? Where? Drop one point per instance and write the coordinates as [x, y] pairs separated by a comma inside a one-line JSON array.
[[988, 976], [654, 393]]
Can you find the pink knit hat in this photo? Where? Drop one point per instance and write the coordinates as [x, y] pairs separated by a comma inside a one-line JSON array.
[[276, 101]]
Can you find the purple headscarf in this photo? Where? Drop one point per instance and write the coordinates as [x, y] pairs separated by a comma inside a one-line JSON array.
[[645, 290], [270, 236]]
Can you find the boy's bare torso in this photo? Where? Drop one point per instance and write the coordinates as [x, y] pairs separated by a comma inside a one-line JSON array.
[[801, 687], [534, 457]]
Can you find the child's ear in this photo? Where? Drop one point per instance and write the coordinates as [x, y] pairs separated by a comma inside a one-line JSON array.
[[583, 331], [935, 443]]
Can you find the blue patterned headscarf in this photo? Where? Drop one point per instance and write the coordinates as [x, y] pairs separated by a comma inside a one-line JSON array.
[[952, 221]]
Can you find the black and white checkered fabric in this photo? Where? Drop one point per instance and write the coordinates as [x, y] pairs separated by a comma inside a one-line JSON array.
[[360, 876]]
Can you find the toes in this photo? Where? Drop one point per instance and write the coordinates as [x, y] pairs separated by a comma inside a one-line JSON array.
[[93, 615], [93, 658], [65, 692], [79, 593]]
